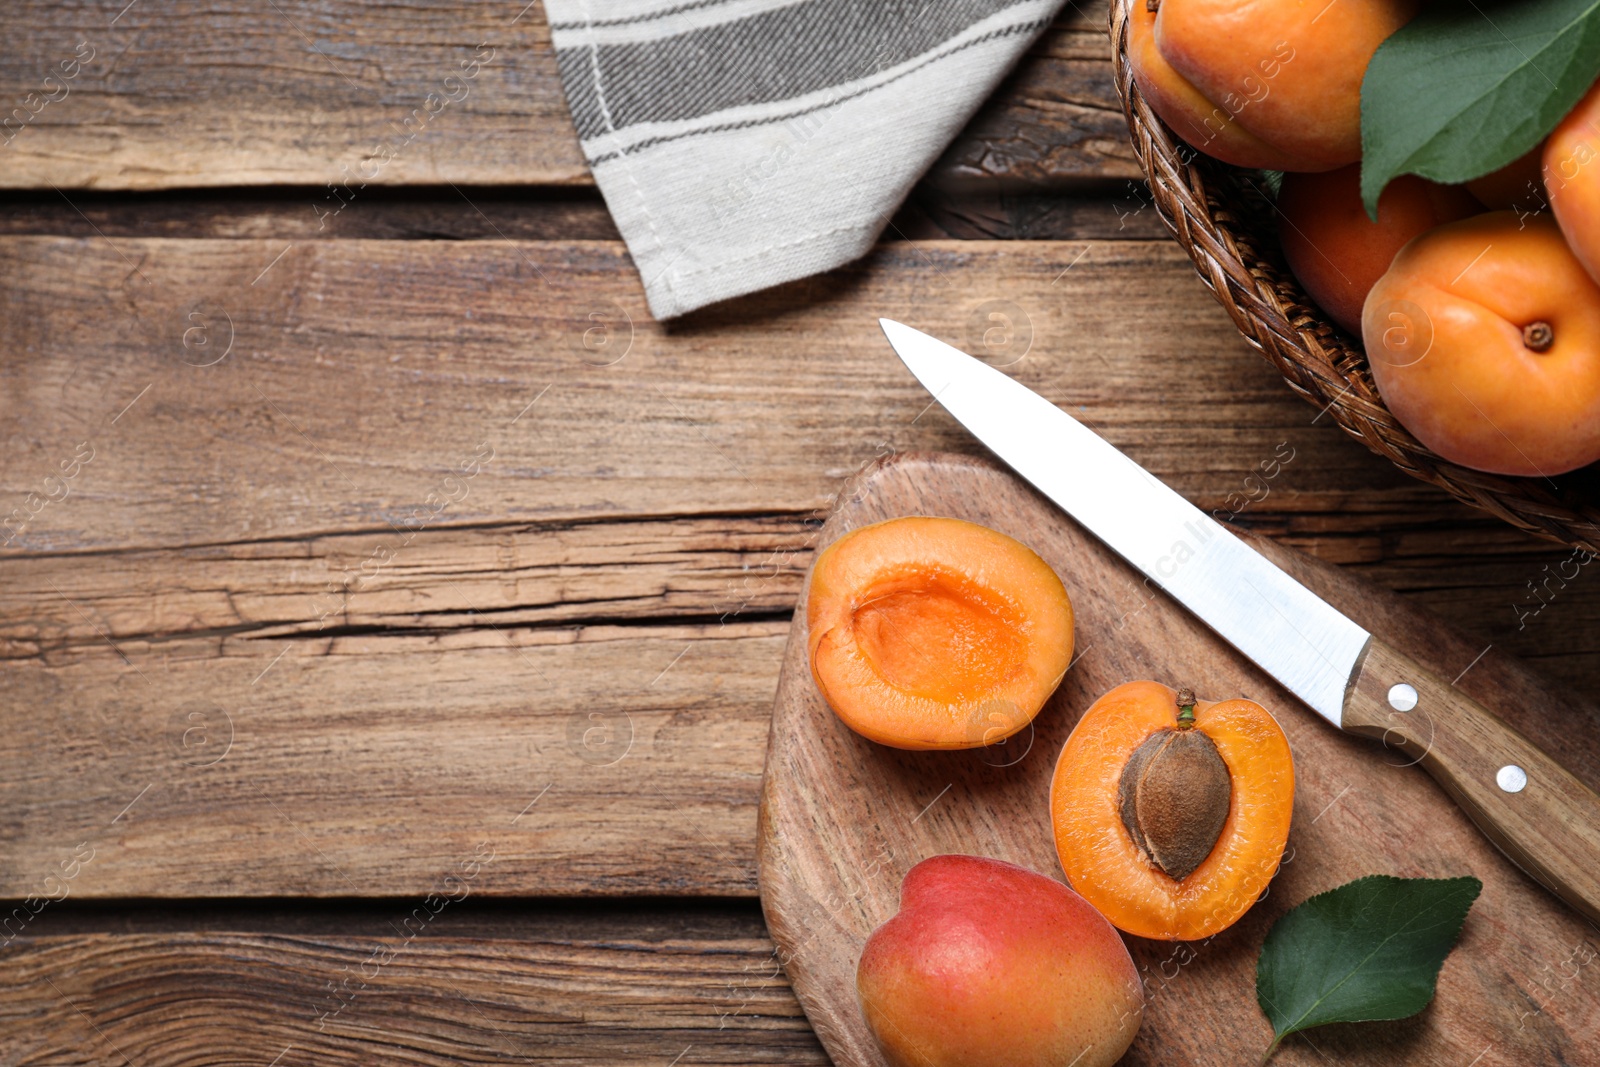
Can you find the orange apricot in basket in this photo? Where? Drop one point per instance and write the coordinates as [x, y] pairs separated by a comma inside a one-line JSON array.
[[1275, 85], [1171, 813], [934, 633], [1336, 251], [1572, 179], [1484, 341]]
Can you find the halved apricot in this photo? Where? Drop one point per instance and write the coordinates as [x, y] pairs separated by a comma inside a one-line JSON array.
[[936, 633], [1171, 813]]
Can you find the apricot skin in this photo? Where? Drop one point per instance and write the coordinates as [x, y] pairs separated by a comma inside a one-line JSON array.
[[1572, 179], [1444, 332], [991, 964], [1274, 84], [1336, 251], [1199, 121], [935, 633]]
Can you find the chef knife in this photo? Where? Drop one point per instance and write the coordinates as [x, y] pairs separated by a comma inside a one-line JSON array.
[[1533, 809]]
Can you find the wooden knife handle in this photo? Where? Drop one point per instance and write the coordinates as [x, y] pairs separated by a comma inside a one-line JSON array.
[[1533, 809]]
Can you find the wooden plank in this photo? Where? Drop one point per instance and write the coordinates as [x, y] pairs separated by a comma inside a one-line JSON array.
[[705, 570], [290, 93], [213, 391], [423, 998], [342, 98], [1055, 123], [843, 819], [606, 760]]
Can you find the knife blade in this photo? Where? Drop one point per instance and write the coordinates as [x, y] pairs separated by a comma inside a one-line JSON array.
[[1527, 804]]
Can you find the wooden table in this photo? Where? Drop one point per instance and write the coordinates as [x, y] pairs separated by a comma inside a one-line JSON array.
[[392, 611]]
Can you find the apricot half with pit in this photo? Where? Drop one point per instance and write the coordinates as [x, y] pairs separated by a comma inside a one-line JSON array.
[[935, 633], [1171, 813]]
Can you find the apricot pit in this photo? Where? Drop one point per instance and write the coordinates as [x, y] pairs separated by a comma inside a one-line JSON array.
[[1174, 793]]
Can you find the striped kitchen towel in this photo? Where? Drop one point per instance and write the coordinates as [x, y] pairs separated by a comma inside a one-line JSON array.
[[744, 143]]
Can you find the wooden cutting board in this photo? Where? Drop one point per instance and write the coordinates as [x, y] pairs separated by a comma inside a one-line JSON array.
[[843, 819]]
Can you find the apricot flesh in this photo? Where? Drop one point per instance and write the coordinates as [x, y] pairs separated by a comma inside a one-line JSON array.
[[1571, 165], [1484, 341], [1274, 85], [1336, 251], [936, 633], [989, 964], [1119, 876]]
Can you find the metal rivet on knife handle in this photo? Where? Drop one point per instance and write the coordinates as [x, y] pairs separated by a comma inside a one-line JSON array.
[[1402, 696], [1511, 778]]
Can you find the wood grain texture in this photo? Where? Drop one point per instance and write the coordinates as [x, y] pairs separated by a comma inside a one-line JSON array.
[[315, 94], [297, 92], [254, 389], [1055, 122], [595, 760], [693, 570], [1548, 824], [161, 1000], [842, 819]]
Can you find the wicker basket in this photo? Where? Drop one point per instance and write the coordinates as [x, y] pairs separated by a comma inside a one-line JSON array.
[[1221, 216]]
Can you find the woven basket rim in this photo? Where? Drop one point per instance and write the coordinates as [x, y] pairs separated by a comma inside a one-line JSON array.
[[1220, 215]]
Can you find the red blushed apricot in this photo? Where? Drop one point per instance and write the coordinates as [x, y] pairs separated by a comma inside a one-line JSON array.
[[1273, 85], [932, 633], [1572, 179], [989, 964], [1171, 823], [1336, 251], [1484, 340]]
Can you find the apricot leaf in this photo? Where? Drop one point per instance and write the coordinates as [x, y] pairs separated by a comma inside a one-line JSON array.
[[1464, 89], [1370, 949]]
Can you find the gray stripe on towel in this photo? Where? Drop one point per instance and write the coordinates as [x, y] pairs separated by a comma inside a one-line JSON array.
[[993, 35], [769, 57]]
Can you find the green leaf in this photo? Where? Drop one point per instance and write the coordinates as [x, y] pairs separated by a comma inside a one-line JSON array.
[[1370, 949], [1464, 89]]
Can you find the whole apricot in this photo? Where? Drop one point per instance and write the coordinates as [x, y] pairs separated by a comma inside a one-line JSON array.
[[930, 633], [988, 964], [1272, 85], [1484, 341], [1171, 813], [1572, 179], [1336, 251]]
